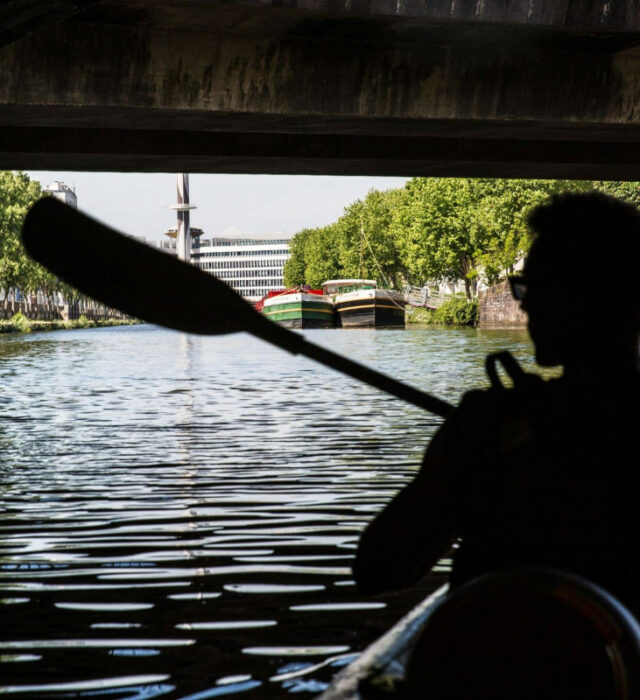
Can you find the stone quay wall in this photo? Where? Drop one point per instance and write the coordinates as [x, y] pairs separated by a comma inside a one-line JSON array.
[[498, 308]]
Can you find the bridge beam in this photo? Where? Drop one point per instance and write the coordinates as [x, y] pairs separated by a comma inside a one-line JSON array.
[[502, 88]]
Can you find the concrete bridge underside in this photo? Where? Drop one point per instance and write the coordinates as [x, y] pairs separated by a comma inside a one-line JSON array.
[[532, 88]]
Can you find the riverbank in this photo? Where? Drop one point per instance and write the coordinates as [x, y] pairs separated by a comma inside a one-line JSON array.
[[21, 324]]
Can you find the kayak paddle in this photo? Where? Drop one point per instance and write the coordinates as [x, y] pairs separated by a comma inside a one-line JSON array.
[[151, 285]]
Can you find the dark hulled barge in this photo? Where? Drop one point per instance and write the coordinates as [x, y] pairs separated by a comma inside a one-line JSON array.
[[358, 303]]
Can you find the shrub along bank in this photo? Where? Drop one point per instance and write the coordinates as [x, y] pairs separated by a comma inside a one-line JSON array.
[[456, 312], [21, 324]]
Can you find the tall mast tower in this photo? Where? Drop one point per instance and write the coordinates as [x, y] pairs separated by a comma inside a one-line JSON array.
[[183, 239]]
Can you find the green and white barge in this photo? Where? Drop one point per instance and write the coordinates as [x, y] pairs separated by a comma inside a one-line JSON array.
[[299, 308]]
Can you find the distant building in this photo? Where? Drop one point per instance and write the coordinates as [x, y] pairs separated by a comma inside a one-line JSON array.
[[251, 266], [62, 192]]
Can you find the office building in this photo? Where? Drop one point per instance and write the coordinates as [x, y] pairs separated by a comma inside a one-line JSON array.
[[253, 266]]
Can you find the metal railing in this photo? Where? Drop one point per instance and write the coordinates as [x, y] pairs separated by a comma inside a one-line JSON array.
[[421, 296]]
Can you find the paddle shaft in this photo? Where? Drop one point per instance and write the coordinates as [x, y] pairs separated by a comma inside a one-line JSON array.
[[373, 378], [261, 327]]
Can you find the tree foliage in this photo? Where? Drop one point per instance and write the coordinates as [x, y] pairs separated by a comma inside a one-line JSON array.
[[314, 257], [466, 229], [368, 248], [433, 229], [17, 194], [17, 270], [359, 244]]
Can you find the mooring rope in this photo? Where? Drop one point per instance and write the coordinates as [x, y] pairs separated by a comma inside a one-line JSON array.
[[375, 260]]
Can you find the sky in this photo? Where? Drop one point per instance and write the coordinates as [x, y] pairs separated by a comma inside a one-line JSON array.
[[227, 205]]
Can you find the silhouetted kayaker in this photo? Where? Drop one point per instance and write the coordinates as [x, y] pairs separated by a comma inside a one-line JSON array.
[[544, 473]]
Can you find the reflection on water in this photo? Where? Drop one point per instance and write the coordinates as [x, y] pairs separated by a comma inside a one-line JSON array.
[[179, 514]]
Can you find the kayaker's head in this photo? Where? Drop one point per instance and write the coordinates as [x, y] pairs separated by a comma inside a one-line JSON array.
[[581, 281]]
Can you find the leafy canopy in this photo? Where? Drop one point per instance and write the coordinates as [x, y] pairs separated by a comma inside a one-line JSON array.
[[17, 193], [433, 229]]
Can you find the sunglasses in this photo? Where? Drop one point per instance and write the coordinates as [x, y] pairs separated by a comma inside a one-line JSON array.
[[518, 285]]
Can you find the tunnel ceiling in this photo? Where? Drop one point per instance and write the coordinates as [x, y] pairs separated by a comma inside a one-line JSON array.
[[533, 88]]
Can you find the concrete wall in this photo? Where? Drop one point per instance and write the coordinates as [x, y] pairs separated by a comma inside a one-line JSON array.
[[507, 88], [497, 307]]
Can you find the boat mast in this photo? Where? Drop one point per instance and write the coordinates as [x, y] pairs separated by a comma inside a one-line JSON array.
[[361, 249]]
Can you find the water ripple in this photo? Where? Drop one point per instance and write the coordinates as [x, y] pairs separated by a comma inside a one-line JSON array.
[[176, 510]]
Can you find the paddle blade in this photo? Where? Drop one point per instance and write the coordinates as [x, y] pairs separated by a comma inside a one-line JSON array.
[[131, 276]]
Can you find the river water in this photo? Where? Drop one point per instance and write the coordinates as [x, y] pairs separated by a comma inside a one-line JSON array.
[[179, 514]]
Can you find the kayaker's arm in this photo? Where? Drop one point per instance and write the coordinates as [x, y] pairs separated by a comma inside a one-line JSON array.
[[409, 536]]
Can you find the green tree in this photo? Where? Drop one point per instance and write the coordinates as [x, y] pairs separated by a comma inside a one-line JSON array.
[[17, 271], [433, 228], [501, 210], [368, 246], [441, 229], [314, 257], [294, 268], [628, 191], [17, 194], [359, 243], [322, 255], [465, 229]]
